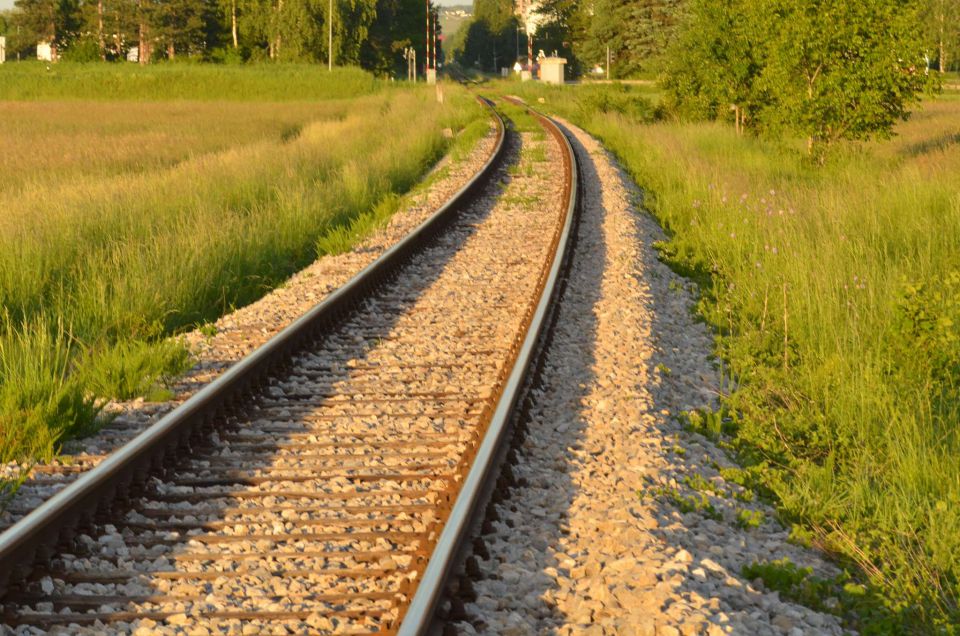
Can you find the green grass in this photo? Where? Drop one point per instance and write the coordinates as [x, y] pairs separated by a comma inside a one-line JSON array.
[[112, 82], [65, 141], [100, 265], [695, 502], [748, 519], [835, 296], [520, 119]]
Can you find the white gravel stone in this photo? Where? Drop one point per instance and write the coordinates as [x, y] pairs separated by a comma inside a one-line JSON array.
[[263, 532], [609, 553], [239, 333]]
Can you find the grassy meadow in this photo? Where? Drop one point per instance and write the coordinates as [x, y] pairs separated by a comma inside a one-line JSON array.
[[127, 221], [834, 294], [61, 141], [181, 81]]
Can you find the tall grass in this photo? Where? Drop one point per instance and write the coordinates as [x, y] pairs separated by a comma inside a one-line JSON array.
[[835, 296], [122, 81], [123, 259], [53, 141]]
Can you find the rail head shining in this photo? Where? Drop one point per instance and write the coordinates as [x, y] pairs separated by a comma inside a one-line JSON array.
[[420, 614], [43, 527]]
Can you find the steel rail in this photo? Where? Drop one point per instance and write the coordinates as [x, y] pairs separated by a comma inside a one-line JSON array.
[[446, 558], [35, 536]]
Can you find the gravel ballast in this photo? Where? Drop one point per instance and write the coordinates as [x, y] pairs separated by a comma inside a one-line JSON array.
[[313, 505], [593, 542], [242, 331]]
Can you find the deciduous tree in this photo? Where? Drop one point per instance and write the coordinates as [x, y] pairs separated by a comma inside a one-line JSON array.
[[398, 24], [564, 29], [825, 69], [491, 38], [941, 21], [54, 21], [638, 32], [713, 65]]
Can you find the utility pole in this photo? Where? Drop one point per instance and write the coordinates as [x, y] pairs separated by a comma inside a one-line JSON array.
[[529, 50], [330, 38], [431, 62]]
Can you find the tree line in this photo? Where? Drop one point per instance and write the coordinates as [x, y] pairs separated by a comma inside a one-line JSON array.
[[368, 33], [826, 70], [636, 32], [640, 36]]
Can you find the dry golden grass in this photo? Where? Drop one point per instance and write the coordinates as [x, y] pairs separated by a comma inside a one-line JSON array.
[[58, 141]]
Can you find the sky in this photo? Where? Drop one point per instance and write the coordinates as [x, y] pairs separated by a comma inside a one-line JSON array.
[[6, 4]]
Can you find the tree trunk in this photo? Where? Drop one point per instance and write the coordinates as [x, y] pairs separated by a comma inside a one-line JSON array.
[[118, 38], [53, 40], [943, 50], [279, 39], [233, 24], [100, 40], [171, 51], [144, 47], [142, 53]]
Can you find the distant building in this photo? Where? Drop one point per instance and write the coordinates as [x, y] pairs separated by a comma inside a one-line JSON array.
[[3, 49], [551, 70], [45, 52]]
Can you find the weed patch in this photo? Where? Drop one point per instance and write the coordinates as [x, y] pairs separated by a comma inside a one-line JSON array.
[[698, 502]]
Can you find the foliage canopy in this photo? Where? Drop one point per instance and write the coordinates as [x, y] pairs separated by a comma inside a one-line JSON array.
[[371, 33], [825, 69]]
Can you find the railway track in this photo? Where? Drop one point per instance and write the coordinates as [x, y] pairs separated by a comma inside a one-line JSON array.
[[327, 483]]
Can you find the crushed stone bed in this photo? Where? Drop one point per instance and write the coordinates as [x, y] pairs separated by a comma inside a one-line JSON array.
[[591, 544], [241, 332], [335, 547]]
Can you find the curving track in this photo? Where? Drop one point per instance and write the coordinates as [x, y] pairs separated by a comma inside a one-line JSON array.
[[326, 483]]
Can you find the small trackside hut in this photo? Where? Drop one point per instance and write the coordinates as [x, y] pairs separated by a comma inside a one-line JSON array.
[[552, 70]]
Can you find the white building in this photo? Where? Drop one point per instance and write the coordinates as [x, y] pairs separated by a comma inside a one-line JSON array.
[[551, 70], [3, 49], [44, 52]]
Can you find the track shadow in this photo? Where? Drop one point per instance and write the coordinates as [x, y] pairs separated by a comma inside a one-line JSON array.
[[686, 518], [567, 374], [178, 513], [711, 528]]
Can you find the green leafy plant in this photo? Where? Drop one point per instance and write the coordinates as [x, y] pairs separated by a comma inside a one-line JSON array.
[[698, 502], [747, 518]]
